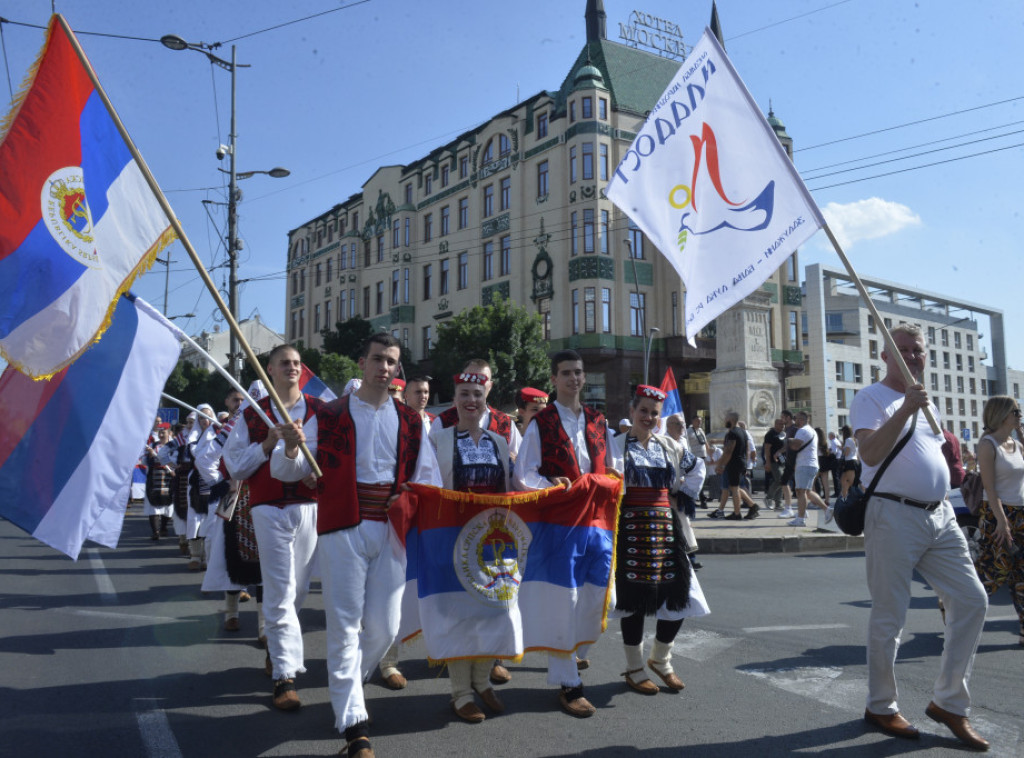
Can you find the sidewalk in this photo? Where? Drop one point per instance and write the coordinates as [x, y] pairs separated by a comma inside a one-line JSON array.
[[770, 534]]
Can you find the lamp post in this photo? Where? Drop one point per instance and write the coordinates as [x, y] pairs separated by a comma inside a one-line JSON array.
[[647, 351], [174, 42]]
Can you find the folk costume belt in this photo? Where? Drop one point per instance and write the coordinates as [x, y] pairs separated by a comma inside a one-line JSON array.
[[373, 501], [925, 506]]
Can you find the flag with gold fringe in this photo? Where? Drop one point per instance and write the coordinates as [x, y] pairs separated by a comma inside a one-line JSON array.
[[78, 221], [497, 575]]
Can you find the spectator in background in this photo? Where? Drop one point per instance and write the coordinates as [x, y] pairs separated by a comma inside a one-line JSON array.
[[773, 451], [417, 396], [804, 447]]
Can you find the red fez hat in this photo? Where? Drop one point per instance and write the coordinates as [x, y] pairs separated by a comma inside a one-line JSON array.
[[397, 384], [467, 377], [531, 395], [646, 390]]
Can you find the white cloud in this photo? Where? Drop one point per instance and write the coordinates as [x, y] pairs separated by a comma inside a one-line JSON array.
[[867, 219]]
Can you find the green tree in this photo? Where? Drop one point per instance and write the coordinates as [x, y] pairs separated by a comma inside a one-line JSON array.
[[347, 338], [336, 370], [507, 335]]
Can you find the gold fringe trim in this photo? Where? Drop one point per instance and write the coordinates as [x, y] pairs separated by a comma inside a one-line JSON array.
[[145, 263], [26, 84], [444, 661]]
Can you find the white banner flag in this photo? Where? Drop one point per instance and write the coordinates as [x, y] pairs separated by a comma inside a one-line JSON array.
[[708, 182]]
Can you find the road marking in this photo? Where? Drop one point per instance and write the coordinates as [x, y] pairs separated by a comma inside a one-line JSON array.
[[111, 615], [797, 628], [701, 645], [156, 733], [103, 582], [1009, 617]]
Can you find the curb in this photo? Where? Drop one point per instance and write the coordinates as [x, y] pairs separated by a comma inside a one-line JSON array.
[[780, 544]]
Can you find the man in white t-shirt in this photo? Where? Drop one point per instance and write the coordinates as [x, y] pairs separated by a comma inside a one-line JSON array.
[[804, 446], [911, 526]]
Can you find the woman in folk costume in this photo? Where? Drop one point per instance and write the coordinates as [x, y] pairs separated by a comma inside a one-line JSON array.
[[472, 459], [158, 501], [652, 573]]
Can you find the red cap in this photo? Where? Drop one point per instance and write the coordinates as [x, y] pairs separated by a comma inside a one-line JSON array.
[[530, 395], [646, 390], [467, 377], [397, 384]]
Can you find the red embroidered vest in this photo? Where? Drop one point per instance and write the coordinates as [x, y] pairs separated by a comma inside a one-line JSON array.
[[336, 456], [263, 488], [557, 455], [500, 423]]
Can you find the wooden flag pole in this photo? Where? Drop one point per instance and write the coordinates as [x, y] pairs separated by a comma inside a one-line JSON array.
[[890, 345], [178, 230]]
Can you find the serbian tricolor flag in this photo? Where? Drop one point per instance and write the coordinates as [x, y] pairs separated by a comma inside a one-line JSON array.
[[68, 445], [311, 384], [78, 222], [673, 404], [497, 575]]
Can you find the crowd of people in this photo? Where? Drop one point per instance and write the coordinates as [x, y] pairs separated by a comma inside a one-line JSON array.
[[246, 506]]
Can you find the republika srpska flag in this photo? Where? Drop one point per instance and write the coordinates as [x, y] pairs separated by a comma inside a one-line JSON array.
[[78, 222], [708, 182]]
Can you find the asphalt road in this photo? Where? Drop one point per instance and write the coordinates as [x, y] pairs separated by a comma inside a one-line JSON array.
[[120, 654]]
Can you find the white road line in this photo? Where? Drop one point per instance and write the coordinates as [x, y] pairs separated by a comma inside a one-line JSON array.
[[156, 734], [1009, 617], [111, 615], [796, 628], [99, 571]]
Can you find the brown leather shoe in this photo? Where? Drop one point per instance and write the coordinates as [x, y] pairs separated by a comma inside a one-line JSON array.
[[499, 674], [395, 681], [231, 624], [644, 687], [960, 726], [670, 679], [892, 724], [358, 748], [573, 702], [582, 664], [285, 696], [470, 712], [491, 700]]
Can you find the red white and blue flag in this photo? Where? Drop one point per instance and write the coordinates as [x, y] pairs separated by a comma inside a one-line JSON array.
[[673, 403], [499, 575], [68, 445], [311, 384], [78, 222]]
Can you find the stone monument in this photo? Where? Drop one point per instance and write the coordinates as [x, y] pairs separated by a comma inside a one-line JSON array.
[[744, 379]]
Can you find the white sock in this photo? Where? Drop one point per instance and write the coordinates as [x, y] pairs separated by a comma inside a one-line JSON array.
[[634, 661]]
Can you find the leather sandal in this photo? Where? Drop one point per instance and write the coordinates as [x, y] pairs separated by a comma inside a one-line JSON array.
[[644, 687], [670, 679]]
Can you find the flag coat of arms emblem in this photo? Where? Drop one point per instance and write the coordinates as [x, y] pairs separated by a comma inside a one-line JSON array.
[[78, 221], [708, 182]]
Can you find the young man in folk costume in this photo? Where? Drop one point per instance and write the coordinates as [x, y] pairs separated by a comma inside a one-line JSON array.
[[565, 440], [368, 446], [652, 572], [284, 517]]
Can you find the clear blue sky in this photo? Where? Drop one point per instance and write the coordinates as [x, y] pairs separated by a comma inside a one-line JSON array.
[[385, 81]]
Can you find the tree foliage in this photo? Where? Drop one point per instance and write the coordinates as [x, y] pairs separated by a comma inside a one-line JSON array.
[[508, 336], [347, 338]]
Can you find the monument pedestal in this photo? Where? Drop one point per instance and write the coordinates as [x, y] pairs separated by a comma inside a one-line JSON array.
[[744, 379]]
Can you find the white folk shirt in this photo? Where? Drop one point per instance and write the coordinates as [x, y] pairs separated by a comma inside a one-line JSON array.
[[526, 475], [242, 457]]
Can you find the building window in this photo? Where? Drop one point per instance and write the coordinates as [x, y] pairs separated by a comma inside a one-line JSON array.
[[931, 335], [408, 194], [342, 304], [574, 229], [428, 227], [544, 309], [427, 276], [488, 152], [602, 108], [873, 349], [506, 256], [352, 302], [316, 319], [956, 340], [504, 146], [380, 248], [488, 200], [959, 384], [355, 221], [932, 359], [428, 342], [605, 230], [876, 374], [794, 343], [380, 298], [445, 174], [587, 109], [947, 383], [302, 280], [675, 314], [588, 230], [506, 193], [588, 160], [542, 179], [405, 286], [887, 321], [542, 126], [959, 362], [572, 164], [302, 323], [463, 270], [352, 255], [637, 313], [575, 311], [488, 261], [970, 363], [848, 372], [330, 269], [791, 268], [343, 258], [428, 183], [463, 212], [945, 337], [973, 386], [935, 382], [961, 406], [945, 361], [970, 342], [396, 234], [590, 309], [636, 241], [572, 111], [844, 397], [295, 325], [442, 286], [445, 220], [871, 324], [606, 310], [408, 232], [295, 282], [602, 166]]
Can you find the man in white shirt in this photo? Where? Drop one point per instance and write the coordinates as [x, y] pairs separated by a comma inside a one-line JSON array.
[[564, 441], [804, 446], [368, 446], [910, 526]]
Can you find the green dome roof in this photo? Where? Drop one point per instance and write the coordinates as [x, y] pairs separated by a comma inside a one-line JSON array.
[[589, 76]]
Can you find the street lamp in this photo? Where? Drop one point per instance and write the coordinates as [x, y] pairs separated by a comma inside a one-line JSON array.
[[181, 315], [647, 352], [174, 42]]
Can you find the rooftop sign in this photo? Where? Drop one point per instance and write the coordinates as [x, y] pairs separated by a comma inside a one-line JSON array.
[[663, 37]]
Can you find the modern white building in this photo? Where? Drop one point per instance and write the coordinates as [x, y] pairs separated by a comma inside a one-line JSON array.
[[218, 342], [843, 346]]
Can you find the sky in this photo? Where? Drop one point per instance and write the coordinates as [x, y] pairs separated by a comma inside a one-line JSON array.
[[366, 83]]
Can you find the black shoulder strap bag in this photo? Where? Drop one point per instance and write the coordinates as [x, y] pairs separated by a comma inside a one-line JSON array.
[[849, 511]]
